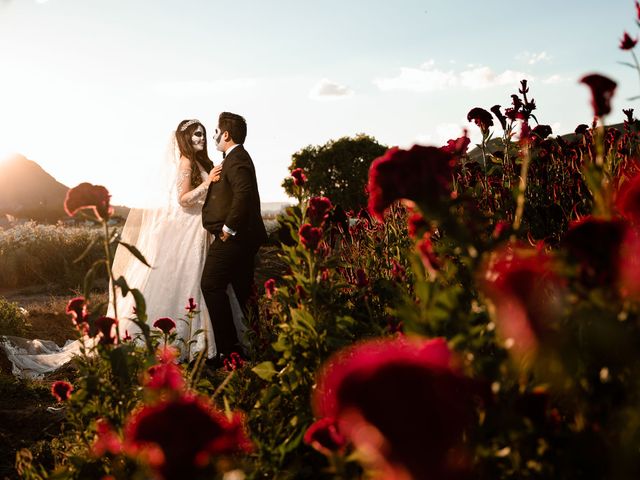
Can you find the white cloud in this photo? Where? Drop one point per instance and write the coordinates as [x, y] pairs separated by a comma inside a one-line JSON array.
[[428, 78], [326, 89], [533, 58], [555, 79], [198, 88]]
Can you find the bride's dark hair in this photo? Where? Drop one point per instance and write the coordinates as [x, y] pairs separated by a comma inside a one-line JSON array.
[[183, 137]]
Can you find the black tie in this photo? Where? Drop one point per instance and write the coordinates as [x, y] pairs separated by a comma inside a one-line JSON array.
[[224, 154]]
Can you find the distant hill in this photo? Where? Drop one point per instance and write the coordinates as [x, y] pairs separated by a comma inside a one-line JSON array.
[[27, 191]]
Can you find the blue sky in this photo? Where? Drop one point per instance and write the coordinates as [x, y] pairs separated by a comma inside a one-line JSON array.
[[92, 89]]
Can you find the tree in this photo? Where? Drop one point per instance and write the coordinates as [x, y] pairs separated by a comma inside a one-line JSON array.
[[338, 169]]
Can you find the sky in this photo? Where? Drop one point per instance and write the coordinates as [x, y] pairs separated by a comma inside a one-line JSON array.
[[91, 90]]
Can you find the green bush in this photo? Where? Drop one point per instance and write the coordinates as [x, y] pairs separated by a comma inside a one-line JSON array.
[[12, 319]]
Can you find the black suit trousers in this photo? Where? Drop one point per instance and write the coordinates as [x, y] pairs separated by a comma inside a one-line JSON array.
[[230, 262]]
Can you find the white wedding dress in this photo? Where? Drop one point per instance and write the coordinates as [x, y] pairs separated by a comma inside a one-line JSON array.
[[171, 238]]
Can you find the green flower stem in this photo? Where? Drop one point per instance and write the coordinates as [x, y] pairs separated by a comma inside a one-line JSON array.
[[522, 187], [112, 280]]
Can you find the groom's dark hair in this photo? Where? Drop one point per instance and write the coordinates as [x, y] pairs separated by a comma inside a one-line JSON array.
[[235, 124]]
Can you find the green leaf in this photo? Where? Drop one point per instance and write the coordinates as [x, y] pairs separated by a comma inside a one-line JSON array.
[[135, 252], [265, 370]]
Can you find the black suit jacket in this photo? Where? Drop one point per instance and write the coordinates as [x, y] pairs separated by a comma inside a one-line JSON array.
[[234, 201]]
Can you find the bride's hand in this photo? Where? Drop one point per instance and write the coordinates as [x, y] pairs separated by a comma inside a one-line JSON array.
[[214, 175]]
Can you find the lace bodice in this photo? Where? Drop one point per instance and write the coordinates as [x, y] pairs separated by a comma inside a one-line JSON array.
[[187, 195]]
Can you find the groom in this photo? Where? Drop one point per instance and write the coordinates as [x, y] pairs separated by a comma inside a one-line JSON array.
[[231, 212]]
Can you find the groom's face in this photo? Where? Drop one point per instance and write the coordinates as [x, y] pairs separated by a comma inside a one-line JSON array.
[[197, 139], [217, 137]]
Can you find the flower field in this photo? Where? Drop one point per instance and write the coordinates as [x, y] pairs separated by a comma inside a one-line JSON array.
[[480, 318]]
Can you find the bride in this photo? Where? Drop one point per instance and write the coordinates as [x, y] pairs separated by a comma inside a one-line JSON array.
[[169, 233]]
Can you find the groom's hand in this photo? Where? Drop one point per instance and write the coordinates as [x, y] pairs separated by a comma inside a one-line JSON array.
[[224, 236]]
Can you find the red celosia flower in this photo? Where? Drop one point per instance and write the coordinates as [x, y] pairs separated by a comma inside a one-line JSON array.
[[61, 390], [416, 224], [164, 376], [526, 294], [302, 293], [323, 435], [542, 131], [165, 324], [421, 174], [86, 195], [457, 147], [629, 266], [107, 330], [628, 200], [192, 306], [427, 254], [318, 210], [424, 433], [361, 278], [107, 441], [310, 236], [637, 12], [299, 178], [501, 118], [481, 118], [234, 362], [595, 244], [627, 43], [270, 287], [398, 272], [185, 432], [77, 308], [582, 129], [602, 89]]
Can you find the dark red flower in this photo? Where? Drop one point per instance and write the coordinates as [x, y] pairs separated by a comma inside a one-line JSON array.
[[602, 89], [481, 118], [421, 174], [86, 195], [526, 294], [180, 435], [77, 308], [398, 272], [323, 435], [424, 433], [107, 441], [542, 131], [299, 178], [302, 293], [318, 210], [107, 330], [427, 254], [629, 266], [457, 147], [637, 12], [416, 224], [501, 118], [627, 43], [192, 306], [61, 390], [270, 287], [166, 324], [582, 129], [628, 200], [310, 236], [164, 376], [234, 362], [361, 278], [595, 244]]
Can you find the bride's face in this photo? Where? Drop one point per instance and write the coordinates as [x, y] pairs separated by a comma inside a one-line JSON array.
[[197, 139]]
